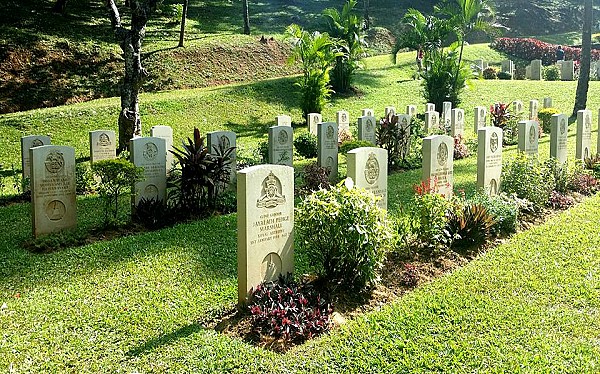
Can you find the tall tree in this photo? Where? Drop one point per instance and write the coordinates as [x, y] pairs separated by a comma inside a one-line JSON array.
[[246, 17], [584, 67], [183, 17], [130, 123], [367, 19]]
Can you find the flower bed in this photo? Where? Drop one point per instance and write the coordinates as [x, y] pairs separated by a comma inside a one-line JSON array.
[[533, 49]]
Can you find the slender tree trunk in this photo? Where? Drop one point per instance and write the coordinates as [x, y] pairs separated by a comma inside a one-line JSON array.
[[246, 17], [584, 67], [366, 14], [130, 123], [462, 46], [183, 17], [60, 6]]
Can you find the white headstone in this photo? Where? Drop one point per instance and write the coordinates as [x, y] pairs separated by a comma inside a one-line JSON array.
[[480, 118], [517, 107], [281, 145], [283, 120], [559, 129], [149, 154], [368, 113], [411, 110], [547, 102], [536, 70], [343, 122], [327, 148], [567, 71], [367, 167], [166, 133], [446, 110], [389, 111], [438, 163], [533, 110], [489, 159], [479, 65], [103, 145], [220, 141], [366, 128], [457, 122], [432, 121], [583, 145], [430, 107], [265, 226], [508, 67], [28, 142], [528, 72], [53, 198], [528, 137], [312, 120]]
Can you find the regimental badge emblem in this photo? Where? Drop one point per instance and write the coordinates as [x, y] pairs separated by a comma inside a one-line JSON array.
[[369, 125], [563, 126], [282, 137], [54, 162], [36, 143], [150, 151], [531, 134], [271, 194], [442, 154], [494, 142], [104, 140], [329, 132], [372, 169], [151, 192]]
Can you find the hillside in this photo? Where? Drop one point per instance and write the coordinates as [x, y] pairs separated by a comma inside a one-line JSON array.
[[49, 59]]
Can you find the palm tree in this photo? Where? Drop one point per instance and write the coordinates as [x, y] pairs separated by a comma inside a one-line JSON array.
[[584, 67], [467, 16]]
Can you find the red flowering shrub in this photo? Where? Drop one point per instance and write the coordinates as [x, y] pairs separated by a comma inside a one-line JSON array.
[[533, 49]]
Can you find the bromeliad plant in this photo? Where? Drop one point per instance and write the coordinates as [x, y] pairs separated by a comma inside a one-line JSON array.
[[200, 175], [287, 310]]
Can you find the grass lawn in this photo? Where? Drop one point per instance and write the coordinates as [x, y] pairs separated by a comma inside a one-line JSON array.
[[138, 303]]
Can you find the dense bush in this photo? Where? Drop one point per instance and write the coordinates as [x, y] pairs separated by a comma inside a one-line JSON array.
[[503, 75], [402, 141], [560, 200], [151, 214], [551, 73], [430, 211], [502, 208], [525, 177], [200, 176], [545, 117], [353, 235], [306, 145], [315, 177], [584, 183], [442, 81], [115, 179], [348, 146], [285, 309], [489, 73], [84, 180], [533, 49]]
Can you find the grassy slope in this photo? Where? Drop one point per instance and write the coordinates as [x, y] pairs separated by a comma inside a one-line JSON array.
[[136, 303]]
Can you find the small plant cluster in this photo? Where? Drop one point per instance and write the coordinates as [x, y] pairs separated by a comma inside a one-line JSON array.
[[354, 235], [489, 73], [551, 73], [545, 118], [545, 184], [288, 310], [402, 141], [306, 145], [502, 117], [315, 178], [353, 144], [504, 75], [532, 49], [461, 150]]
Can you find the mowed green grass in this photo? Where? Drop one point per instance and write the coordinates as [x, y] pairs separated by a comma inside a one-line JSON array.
[[138, 303]]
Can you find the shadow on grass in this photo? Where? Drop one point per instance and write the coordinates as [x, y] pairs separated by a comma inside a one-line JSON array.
[[165, 339]]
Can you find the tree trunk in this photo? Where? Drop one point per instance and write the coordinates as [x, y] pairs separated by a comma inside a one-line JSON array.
[[130, 123], [183, 17], [60, 6], [246, 17], [584, 66], [366, 14]]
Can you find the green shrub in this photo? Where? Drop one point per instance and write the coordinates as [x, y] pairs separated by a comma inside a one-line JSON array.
[[525, 177], [469, 227], [348, 146], [306, 145], [430, 210], [593, 164], [151, 214], [315, 177], [353, 235], [316, 52], [502, 208], [439, 79], [490, 73], [115, 179], [503, 75], [545, 117], [263, 151], [551, 73], [84, 181]]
